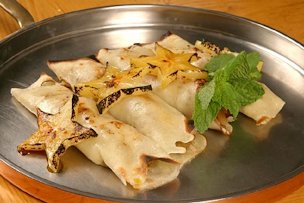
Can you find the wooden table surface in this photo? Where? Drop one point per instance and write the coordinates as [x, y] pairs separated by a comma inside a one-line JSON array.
[[285, 16]]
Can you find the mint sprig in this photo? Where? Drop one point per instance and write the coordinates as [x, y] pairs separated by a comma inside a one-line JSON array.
[[232, 83]]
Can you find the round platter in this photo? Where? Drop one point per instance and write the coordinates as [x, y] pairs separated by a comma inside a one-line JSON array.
[[253, 158]]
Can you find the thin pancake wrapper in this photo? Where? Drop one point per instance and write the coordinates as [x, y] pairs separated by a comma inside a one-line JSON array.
[[178, 87], [181, 92], [265, 108], [192, 149], [45, 94], [167, 110], [78, 70], [121, 58], [135, 158], [156, 119], [181, 95]]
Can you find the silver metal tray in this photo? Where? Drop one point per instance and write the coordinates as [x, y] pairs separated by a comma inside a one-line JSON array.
[[251, 159]]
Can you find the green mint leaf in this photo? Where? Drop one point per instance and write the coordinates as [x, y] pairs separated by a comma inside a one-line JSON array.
[[205, 94], [248, 91], [244, 66], [238, 68], [205, 111], [253, 59], [203, 118], [218, 62], [232, 85], [226, 96], [220, 76], [256, 75]]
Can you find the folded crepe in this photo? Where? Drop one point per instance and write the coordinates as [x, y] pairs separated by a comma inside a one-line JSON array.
[[121, 58], [144, 138], [153, 117], [134, 157], [181, 95], [265, 108], [181, 92], [45, 94], [74, 71]]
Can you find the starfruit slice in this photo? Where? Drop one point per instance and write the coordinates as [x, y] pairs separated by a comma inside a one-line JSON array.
[[55, 134]]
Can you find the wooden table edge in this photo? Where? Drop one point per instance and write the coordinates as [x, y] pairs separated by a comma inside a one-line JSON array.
[[48, 193]]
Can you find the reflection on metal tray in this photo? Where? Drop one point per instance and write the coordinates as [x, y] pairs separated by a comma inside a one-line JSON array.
[[253, 158]]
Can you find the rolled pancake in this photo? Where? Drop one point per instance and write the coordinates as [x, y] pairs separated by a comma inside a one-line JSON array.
[[180, 94], [265, 108], [135, 158], [120, 58], [78, 70], [202, 50], [156, 119], [45, 94], [190, 154]]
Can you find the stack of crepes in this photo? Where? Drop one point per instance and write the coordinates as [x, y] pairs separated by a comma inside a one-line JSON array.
[[129, 109]]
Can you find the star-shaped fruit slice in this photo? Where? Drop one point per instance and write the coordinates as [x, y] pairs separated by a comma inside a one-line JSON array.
[[112, 81], [167, 66], [55, 134]]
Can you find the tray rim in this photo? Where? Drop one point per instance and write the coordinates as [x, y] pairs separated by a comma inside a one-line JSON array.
[[125, 6], [19, 32]]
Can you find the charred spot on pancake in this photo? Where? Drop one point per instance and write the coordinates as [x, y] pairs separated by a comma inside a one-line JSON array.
[[194, 57], [105, 103], [200, 83], [117, 124], [138, 44], [262, 120], [75, 100], [174, 73], [110, 83], [188, 127], [93, 57], [137, 74], [151, 66], [212, 47], [164, 36], [191, 124], [122, 172]]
